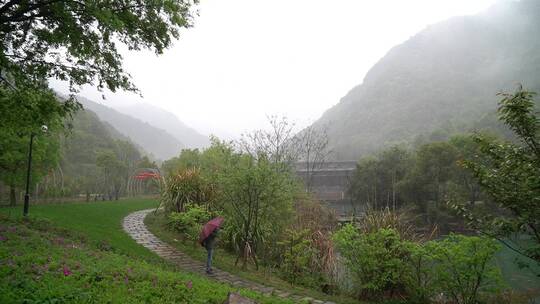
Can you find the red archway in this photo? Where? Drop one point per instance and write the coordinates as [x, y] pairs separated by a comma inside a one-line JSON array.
[[140, 178]]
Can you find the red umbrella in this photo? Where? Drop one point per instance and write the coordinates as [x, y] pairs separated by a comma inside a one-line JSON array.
[[209, 227]]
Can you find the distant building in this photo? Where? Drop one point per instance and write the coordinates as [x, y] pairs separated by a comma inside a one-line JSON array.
[[329, 181]]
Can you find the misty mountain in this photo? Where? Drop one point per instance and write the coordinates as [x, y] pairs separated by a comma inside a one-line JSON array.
[[158, 142], [444, 77], [88, 137], [167, 121]]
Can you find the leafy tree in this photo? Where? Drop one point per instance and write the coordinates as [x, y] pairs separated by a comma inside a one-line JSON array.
[[468, 187], [427, 182], [23, 113], [78, 41], [14, 161], [376, 180], [145, 162], [257, 200], [463, 267], [394, 162], [436, 163], [188, 159], [365, 185], [510, 174], [114, 172], [74, 41], [87, 138]]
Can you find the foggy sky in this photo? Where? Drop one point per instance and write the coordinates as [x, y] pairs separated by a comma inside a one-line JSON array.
[[245, 59]]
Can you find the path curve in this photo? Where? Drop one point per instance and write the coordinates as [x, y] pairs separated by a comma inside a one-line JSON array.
[[133, 225]]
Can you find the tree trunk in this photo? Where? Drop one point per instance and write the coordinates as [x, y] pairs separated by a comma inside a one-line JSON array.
[[12, 196]]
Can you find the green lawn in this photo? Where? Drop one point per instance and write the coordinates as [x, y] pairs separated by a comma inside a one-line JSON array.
[[40, 263], [156, 223], [76, 253], [100, 222]]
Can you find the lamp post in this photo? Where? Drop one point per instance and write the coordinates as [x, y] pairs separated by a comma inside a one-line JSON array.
[[44, 129]]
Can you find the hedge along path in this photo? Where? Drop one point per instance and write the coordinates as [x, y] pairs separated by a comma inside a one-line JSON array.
[[133, 224]]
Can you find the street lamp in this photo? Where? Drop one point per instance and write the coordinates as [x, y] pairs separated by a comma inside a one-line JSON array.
[[44, 129]]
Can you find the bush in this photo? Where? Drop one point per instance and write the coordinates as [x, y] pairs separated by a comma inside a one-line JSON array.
[[420, 275], [189, 223], [186, 187], [376, 260], [300, 260], [463, 267], [400, 221]]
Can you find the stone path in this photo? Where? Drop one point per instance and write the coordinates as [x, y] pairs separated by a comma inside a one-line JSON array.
[[133, 224]]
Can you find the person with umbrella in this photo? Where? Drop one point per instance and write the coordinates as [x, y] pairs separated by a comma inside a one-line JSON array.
[[207, 238]]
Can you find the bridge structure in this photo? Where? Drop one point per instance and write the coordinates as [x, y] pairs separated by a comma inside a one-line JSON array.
[[329, 182]]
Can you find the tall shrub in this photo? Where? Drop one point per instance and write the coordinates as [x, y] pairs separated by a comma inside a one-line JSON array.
[[257, 202], [189, 223], [376, 260], [463, 267], [186, 187]]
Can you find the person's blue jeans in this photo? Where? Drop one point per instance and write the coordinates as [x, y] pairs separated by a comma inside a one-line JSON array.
[[210, 252]]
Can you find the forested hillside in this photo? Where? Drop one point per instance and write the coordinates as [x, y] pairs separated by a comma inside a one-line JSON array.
[[167, 121], [88, 150], [156, 141], [443, 79]]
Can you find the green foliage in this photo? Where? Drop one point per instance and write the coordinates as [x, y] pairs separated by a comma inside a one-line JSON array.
[[376, 179], [87, 140], [510, 174], [419, 279], [434, 165], [188, 159], [423, 178], [254, 194], [55, 266], [189, 222], [114, 172], [257, 198], [23, 112], [376, 260], [73, 41], [383, 265], [400, 221], [186, 187], [63, 46], [463, 267], [300, 261]]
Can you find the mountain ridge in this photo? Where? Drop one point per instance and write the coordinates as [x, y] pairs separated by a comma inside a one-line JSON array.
[[167, 121], [448, 73], [158, 142]]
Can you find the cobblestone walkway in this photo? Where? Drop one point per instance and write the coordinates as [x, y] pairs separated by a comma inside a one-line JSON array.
[[134, 226]]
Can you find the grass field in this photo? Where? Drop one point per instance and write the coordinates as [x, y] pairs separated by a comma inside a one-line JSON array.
[[100, 222], [76, 253]]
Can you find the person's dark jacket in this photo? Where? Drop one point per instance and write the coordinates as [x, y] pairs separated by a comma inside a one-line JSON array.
[[210, 241]]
